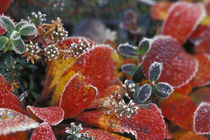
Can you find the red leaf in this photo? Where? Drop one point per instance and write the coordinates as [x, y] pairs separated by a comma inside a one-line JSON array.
[[179, 109], [43, 132], [12, 121], [201, 38], [202, 119], [178, 67], [207, 6], [202, 77], [182, 19], [76, 96], [8, 99], [147, 123], [50, 115], [14, 136], [98, 66], [4, 5], [160, 10], [103, 135], [185, 90]]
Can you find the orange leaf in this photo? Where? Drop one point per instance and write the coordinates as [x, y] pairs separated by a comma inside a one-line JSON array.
[[202, 77], [179, 109], [182, 20], [184, 90], [187, 135], [14, 136], [160, 10]]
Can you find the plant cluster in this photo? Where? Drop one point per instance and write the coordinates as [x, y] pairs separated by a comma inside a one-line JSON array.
[[157, 88]]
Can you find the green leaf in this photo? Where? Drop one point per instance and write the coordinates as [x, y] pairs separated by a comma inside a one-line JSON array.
[[163, 89], [155, 70], [20, 25], [7, 23], [144, 46], [143, 93], [18, 46], [129, 69], [28, 30], [127, 50], [3, 42], [138, 74], [15, 36]]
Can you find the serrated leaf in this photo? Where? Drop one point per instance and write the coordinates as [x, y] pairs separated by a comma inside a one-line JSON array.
[[144, 46], [3, 42], [129, 68], [7, 23], [28, 30], [155, 70], [144, 93], [163, 89], [18, 46], [138, 75], [127, 50], [20, 25]]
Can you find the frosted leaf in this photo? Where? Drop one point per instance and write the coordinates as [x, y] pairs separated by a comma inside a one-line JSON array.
[[155, 70], [129, 68], [50, 115], [3, 42], [144, 93], [12, 121], [201, 121], [127, 50], [7, 23], [43, 132], [18, 46], [28, 30], [144, 46], [163, 89]]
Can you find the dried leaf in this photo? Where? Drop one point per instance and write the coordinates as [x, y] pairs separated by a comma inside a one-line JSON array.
[[187, 135], [200, 94], [12, 122], [182, 19], [14, 136], [178, 67], [179, 109], [43, 132], [202, 119], [50, 115]]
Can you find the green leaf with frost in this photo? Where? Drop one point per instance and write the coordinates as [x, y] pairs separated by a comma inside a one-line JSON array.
[[3, 42], [18, 46], [28, 30], [7, 23]]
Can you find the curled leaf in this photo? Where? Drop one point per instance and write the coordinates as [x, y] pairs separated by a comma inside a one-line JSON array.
[[50, 115], [202, 119]]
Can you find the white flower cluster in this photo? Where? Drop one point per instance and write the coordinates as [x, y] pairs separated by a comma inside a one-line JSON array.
[[51, 51]]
